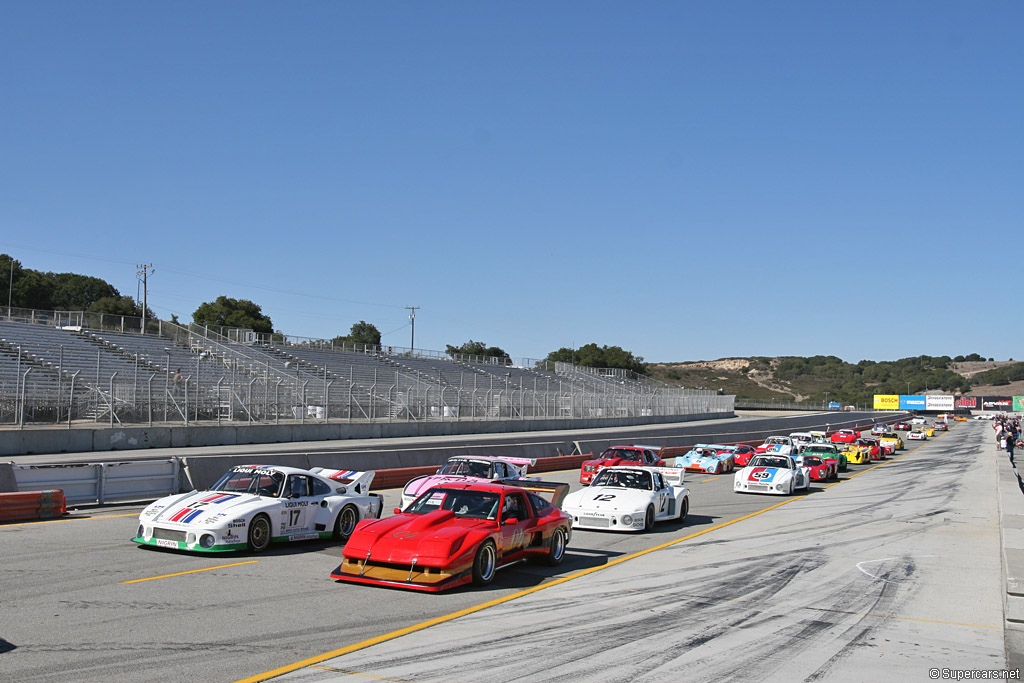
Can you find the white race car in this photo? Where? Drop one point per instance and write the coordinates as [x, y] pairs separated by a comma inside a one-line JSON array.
[[782, 445], [252, 505], [917, 435], [918, 421], [623, 498], [473, 469], [772, 473]]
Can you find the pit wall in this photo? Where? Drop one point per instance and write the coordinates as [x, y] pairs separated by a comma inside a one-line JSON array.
[[87, 439]]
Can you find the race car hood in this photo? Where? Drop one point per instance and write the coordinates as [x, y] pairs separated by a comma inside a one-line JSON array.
[[430, 538], [624, 500], [417, 486], [203, 507], [608, 462], [763, 475]]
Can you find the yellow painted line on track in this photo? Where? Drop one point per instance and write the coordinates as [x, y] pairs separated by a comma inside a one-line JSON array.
[[376, 640], [68, 519], [191, 571]]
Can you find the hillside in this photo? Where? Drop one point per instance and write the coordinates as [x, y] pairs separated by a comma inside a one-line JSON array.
[[809, 379]]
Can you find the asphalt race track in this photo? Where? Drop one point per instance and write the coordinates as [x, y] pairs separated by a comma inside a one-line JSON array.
[[890, 572]]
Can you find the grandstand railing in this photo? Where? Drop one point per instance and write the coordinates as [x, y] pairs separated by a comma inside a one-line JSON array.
[[250, 386]]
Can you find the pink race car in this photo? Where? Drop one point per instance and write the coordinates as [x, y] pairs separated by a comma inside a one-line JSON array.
[[469, 469]]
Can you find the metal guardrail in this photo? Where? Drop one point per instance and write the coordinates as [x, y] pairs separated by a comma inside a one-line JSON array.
[[106, 482]]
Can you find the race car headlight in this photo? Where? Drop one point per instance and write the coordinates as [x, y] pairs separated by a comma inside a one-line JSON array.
[[627, 520], [190, 539], [588, 468], [207, 541]]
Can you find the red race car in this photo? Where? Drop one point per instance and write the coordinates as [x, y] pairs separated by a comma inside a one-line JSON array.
[[873, 449], [742, 455], [902, 427], [845, 436], [621, 455], [819, 469], [458, 533]]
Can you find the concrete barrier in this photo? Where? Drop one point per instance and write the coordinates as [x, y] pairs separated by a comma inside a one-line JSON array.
[[8, 484], [1011, 528], [29, 505]]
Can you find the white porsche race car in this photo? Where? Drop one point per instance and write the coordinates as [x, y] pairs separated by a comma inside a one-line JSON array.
[[252, 505], [623, 498], [772, 473]]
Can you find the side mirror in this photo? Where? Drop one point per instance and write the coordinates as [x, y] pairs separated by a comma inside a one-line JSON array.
[[398, 511], [509, 520]]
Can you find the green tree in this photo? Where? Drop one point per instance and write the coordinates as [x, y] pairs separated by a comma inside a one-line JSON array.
[[119, 305], [594, 356], [73, 292], [475, 348], [229, 312], [361, 335]]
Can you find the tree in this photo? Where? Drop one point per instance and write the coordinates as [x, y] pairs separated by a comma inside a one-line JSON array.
[[229, 312], [594, 356], [119, 305], [475, 348], [73, 292], [361, 335]]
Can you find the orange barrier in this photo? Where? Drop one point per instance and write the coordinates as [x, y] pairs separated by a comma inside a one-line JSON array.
[[26, 505]]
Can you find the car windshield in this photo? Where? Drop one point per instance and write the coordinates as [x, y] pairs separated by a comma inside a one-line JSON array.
[[627, 479], [466, 468], [255, 480], [827, 450], [623, 453], [769, 461], [471, 504], [811, 460], [777, 441], [890, 435]]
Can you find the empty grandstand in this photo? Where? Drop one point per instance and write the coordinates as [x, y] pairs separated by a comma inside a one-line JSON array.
[[66, 367]]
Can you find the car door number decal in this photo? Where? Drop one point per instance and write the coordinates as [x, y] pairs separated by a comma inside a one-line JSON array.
[[293, 517]]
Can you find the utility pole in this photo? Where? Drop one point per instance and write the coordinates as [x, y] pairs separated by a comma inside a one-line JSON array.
[[144, 271], [412, 321]]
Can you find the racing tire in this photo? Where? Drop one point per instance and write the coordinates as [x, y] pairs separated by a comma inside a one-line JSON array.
[[556, 548], [485, 564], [649, 519], [259, 534], [684, 509], [792, 486], [346, 522]]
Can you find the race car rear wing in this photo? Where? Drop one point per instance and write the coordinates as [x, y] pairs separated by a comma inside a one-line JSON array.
[[673, 475], [549, 490], [354, 481]]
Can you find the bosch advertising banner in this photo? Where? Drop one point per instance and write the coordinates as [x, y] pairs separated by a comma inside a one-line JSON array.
[[1001, 403], [887, 402], [913, 402], [939, 402], [1018, 404], [968, 403]]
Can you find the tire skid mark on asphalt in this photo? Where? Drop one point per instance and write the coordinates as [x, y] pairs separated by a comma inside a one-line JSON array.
[[477, 608]]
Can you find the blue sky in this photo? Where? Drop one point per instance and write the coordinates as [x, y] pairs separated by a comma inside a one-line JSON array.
[[685, 180]]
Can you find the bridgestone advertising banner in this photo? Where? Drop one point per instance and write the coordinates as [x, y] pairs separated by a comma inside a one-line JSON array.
[[939, 402], [968, 403], [887, 402], [1001, 403], [913, 402]]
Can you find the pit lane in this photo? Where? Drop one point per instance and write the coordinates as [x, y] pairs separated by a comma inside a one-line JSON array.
[[69, 613]]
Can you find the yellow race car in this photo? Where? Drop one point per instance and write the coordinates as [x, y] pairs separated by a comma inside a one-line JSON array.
[[928, 430], [891, 438], [861, 452]]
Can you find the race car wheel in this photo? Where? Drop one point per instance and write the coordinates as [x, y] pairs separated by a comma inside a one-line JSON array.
[[684, 509], [484, 564], [345, 524], [556, 547], [259, 533], [649, 519]]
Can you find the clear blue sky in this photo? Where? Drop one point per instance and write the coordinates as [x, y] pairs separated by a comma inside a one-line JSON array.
[[687, 180]]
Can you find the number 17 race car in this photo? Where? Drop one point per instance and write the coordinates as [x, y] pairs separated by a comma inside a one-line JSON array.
[[252, 505]]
